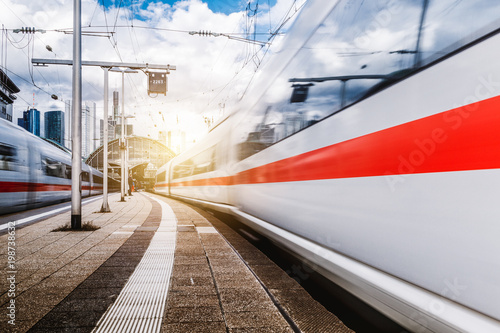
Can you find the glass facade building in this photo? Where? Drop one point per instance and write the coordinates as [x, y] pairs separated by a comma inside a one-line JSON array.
[[30, 121], [54, 126]]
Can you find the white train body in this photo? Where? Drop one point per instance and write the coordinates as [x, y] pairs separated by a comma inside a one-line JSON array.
[[35, 173], [391, 192]]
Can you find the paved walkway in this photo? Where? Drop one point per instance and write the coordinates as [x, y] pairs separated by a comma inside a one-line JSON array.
[[49, 265], [66, 281]]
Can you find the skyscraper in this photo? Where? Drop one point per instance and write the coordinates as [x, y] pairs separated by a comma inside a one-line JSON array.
[[111, 130], [30, 121], [67, 127], [115, 106], [94, 143], [86, 131], [54, 126]]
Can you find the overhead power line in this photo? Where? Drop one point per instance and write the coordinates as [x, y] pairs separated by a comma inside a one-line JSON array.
[[216, 34]]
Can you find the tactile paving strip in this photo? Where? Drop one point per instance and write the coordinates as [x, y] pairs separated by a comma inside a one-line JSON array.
[[141, 303]]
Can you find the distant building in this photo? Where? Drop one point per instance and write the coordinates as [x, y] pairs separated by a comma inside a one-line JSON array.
[[145, 157], [30, 121], [90, 134], [7, 91], [176, 141], [118, 130], [86, 131], [111, 130], [115, 106], [67, 127], [95, 134], [54, 126], [20, 122]]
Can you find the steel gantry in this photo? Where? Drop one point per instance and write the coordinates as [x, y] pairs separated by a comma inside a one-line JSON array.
[[76, 125]]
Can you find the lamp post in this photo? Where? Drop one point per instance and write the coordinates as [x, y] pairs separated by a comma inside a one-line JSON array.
[[122, 140]]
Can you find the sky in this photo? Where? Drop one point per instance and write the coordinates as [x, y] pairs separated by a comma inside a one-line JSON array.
[[211, 72]]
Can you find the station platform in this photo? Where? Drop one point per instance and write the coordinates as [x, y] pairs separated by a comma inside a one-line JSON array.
[[153, 264]]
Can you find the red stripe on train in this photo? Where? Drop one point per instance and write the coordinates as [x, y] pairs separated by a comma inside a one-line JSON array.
[[38, 187], [465, 138]]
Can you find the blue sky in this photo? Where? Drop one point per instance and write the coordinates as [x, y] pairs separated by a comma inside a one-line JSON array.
[[217, 6]]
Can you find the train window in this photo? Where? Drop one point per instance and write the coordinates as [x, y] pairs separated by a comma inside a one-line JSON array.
[[161, 177], [8, 157], [67, 173], [450, 24], [359, 49], [85, 176], [185, 169], [201, 163], [204, 161], [53, 168], [97, 179]]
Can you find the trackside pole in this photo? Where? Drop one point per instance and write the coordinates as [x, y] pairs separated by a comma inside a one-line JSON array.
[[122, 143], [105, 205], [76, 158]]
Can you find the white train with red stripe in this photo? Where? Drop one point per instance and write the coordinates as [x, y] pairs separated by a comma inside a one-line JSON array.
[[34, 172], [370, 147]]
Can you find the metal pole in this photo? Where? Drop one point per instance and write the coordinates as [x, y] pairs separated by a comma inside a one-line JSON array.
[[126, 160], [103, 64], [105, 206], [76, 159], [122, 143]]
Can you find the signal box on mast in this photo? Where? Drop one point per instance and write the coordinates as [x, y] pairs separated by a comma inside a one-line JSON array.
[[157, 83]]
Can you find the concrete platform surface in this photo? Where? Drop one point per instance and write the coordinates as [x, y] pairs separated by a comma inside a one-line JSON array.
[[215, 281]]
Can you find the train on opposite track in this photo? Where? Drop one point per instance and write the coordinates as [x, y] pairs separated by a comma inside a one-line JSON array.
[[35, 172], [369, 147]]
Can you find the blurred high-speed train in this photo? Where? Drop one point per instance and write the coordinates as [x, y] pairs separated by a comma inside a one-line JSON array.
[[370, 147], [35, 173]]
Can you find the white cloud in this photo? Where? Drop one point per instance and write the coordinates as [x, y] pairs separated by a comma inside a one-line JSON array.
[[205, 65]]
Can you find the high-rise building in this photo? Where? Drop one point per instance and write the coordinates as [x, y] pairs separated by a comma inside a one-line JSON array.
[[68, 130], [89, 129], [95, 134], [111, 130], [54, 126], [86, 131], [176, 140], [7, 91], [128, 131], [115, 105], [30, 121]]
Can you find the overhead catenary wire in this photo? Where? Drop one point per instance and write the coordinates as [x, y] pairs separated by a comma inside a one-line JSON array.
[[266, 45], [27, 81], [133, 89], [31, 39]]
